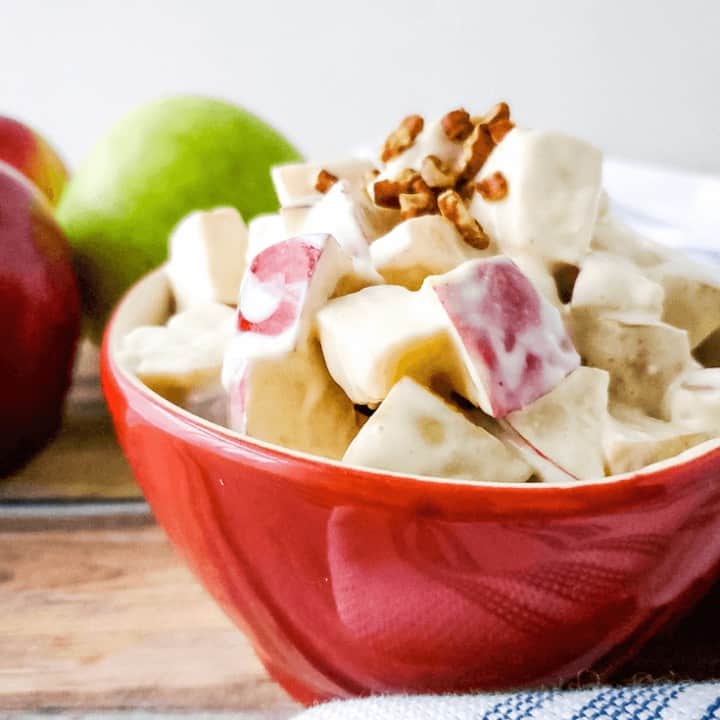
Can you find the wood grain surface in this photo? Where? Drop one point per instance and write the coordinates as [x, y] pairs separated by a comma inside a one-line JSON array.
[[108, 617]]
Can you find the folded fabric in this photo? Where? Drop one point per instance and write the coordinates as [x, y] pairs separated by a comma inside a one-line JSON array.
[[673, 206], [667, 701]]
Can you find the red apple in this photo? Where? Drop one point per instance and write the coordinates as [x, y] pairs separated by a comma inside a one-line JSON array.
[[39, 319], [29, 153], [512, 340]]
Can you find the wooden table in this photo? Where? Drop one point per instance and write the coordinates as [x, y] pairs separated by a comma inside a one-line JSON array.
[[98, 614], [96, 610]]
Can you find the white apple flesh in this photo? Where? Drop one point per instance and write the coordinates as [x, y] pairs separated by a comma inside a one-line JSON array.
[[415, 431], [207, 257]]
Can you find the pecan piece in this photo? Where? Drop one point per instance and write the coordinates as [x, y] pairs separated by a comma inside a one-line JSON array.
[[416, 204], [457, 125], [385, 193], [498, 112], [325, 180], [499, 129], [494, 187], [476, 149], [416, 184], [435, 173], [501, 111], [466, 190], [402, 138], [498, 121], [452, 207]]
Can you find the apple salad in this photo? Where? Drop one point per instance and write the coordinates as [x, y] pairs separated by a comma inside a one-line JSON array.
[[466, 307]]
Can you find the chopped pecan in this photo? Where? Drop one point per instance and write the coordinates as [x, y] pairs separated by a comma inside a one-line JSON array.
[[451, 206], [494, 187], [325, 180], [386, 192], [417, 185], [416, 204], [466, 190], [476, 149], [406, 178], [499, 129], [435, 173], [498, 121], [402, 138], [457, 125], [501, 111], [498, 112]]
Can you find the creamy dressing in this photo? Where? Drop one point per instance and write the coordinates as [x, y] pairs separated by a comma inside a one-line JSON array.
[[447, 335]]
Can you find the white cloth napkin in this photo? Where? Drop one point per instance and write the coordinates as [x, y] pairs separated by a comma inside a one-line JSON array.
[[680, 701], [675, 207]]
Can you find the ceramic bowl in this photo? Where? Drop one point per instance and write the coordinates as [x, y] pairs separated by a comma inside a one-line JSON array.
[[351, 581]]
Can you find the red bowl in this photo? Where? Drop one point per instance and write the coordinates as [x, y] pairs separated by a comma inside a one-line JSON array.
[[351, 581]]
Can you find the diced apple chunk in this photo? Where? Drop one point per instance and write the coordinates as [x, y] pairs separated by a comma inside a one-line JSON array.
[[694, 399], [294, 219], [207, 257], [283, 289], [416, 248], [615, 237], [290, 400], [633, 440], [553, 194], [295, 183], [414, 431], [280, 390], [183, 357], [642, 356], [566, 425], [372, 338], [543, 468], [348, 214], [264, 231], [212, 317], [537, 272], [511, 340], [604, 210], [611, 283], [692, 296]]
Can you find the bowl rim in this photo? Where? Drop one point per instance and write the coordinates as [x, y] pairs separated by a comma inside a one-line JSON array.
[[109, 345]]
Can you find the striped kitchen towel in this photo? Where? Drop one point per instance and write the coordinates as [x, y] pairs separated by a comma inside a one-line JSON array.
[[678, 701]]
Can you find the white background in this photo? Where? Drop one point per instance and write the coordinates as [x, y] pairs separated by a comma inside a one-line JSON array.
[[639, 78]]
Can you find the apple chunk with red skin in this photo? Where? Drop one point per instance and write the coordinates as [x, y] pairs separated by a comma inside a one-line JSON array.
[[39, 320], [512, 341], [30, 154], [286, 284], [280, 390]]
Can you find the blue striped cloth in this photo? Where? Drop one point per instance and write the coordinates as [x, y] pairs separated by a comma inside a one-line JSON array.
[[679, 701]]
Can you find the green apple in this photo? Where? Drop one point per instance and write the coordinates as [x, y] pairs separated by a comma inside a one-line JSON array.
[[157, 164]]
